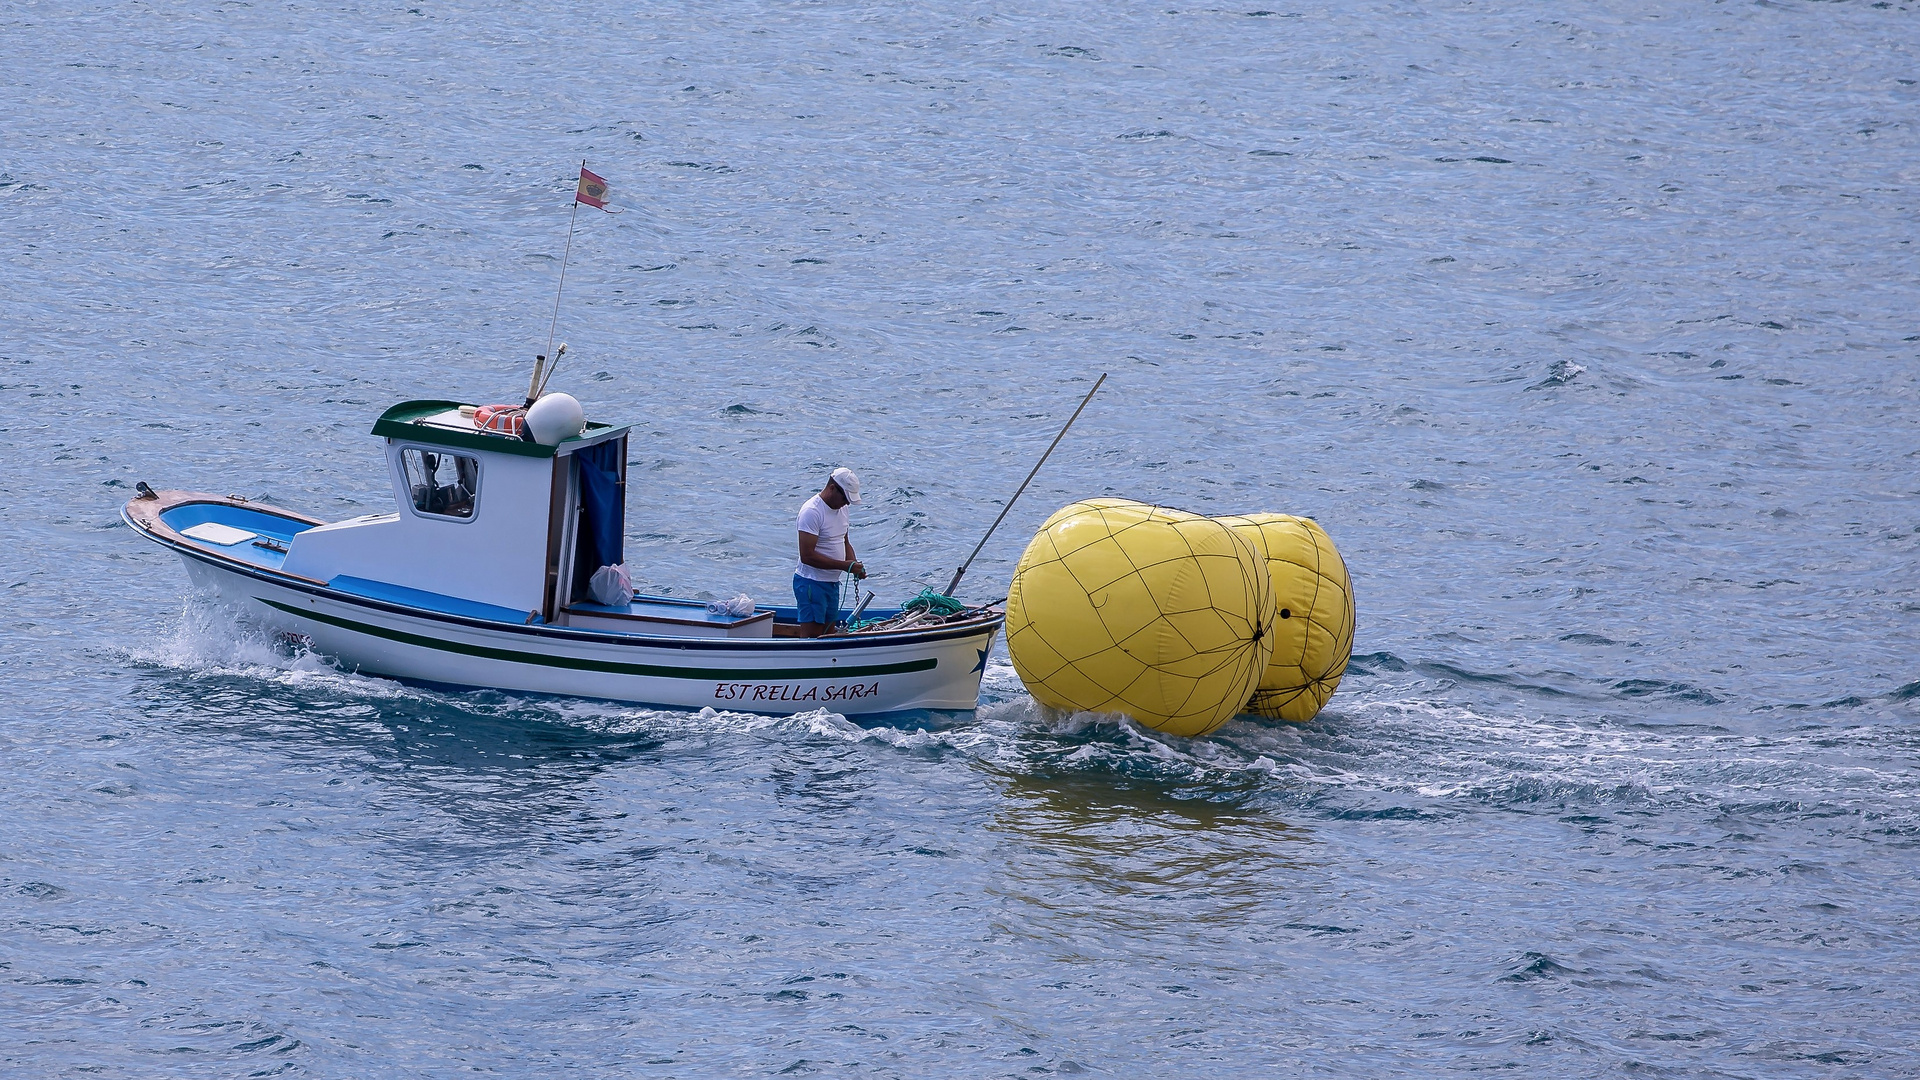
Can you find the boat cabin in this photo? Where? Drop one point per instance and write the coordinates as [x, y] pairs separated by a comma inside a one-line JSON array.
[[493, 519]]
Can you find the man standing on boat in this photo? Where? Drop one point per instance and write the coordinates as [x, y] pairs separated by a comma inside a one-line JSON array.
[[825, 553]]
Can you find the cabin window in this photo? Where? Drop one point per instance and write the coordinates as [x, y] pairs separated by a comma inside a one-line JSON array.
[[441, 485]]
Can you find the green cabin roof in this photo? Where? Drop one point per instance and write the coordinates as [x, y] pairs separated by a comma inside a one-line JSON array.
[[411, 420]]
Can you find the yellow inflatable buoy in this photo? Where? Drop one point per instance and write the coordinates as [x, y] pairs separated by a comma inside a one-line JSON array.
[[1313, 636], [1118, 606]]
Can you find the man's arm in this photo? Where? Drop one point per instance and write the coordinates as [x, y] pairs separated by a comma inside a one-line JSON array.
[[813, 558]]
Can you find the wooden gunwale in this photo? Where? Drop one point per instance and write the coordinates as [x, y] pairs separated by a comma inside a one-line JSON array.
[[144, 513]]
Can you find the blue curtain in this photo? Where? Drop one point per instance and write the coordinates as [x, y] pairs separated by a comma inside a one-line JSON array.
[[600, 496]]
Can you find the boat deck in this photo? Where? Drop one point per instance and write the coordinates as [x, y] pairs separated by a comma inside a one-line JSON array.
[[231, 528], [438, 603]]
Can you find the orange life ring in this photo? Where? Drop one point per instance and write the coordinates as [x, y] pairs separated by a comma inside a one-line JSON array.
[[504, 419]]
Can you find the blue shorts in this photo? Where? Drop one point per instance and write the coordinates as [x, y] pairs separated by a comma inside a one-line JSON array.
[[819, 601]]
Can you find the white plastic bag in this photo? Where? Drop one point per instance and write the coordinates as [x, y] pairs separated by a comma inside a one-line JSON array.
[[611, 586], [739, 607]]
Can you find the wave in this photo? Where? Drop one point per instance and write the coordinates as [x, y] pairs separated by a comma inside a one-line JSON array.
[[1384, 750], [1537, 684]]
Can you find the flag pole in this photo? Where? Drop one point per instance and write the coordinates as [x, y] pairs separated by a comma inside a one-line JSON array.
[[533, 387]]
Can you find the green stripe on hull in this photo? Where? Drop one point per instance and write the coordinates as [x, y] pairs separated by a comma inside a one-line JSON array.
[[608, 666]]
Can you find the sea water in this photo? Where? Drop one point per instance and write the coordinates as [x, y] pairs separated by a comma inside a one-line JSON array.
[[1588, 332]]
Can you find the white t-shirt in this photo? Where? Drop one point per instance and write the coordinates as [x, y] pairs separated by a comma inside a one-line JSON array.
[[830, 526]]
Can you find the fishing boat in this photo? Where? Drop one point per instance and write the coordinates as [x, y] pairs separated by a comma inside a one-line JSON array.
[[483, 575]]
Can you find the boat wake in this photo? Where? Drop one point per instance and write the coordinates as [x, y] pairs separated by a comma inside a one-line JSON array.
[[1387, 747], [212, 641]]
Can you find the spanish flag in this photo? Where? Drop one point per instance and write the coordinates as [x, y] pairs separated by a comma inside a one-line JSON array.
[[592, 190]]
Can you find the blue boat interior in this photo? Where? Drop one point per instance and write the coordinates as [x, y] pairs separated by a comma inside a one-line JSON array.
[[271, 534], [266, 548], [438, 603]]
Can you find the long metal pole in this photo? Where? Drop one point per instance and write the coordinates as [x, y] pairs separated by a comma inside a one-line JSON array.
[[955, 583], [534, 386]]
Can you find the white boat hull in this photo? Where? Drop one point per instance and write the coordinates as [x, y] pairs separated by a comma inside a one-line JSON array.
[[939, 669]]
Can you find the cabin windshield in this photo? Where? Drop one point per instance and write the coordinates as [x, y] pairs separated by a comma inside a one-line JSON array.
[[442, 485]]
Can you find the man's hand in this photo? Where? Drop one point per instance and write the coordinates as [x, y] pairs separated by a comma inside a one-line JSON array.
[[858, 569]]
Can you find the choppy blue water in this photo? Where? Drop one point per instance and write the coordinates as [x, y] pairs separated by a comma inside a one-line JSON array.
[[1589, 332]]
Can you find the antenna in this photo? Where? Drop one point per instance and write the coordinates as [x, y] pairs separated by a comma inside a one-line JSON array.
[[538, 384]]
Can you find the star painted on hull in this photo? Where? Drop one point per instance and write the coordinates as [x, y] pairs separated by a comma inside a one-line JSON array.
[[982, 665]]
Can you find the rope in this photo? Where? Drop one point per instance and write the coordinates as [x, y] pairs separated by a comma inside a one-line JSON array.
[[927, 608], [934, 604]]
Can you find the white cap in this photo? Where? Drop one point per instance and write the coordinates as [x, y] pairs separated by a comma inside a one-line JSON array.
[[849, 484]]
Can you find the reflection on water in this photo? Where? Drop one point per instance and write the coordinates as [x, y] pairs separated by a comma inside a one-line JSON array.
[[1095, 854], [500, 770]]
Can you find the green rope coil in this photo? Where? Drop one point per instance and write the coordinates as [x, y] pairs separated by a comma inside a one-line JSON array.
[[933, 603]]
